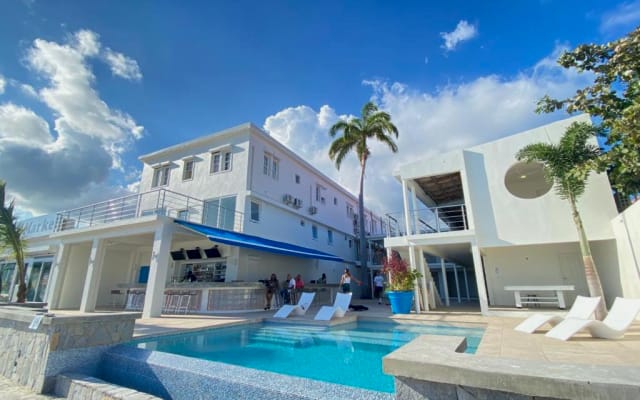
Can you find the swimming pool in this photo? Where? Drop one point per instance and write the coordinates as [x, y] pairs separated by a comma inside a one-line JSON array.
[[349, 355]]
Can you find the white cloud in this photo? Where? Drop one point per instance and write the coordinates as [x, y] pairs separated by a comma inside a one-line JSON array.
[[625, 15], [122, 65], [464, 31], [3, 83], [48, 169], [454, 117]]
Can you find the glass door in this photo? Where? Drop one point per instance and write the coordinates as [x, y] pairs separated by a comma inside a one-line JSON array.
[[6, 280], [38, 280]]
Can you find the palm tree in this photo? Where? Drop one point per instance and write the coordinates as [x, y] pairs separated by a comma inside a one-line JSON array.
[[567, 165], [11, 236], [373, 124]]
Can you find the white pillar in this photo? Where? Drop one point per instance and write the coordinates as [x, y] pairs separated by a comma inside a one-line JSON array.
[[466, 283], [455, 276], [158, 267], [416, 217], [58, 272], [405, 205], [479, 272], [92, 280], [423, 280], [416, 289], [443, 271]]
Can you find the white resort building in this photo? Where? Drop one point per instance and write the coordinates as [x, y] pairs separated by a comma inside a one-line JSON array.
[[478, 222], [231, 208]]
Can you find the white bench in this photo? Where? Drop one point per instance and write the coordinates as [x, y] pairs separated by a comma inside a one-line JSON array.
[[555, 297]]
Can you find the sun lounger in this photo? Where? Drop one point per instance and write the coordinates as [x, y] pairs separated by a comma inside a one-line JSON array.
[[583, 307], [299, 309], [620, 317], [339, 308]]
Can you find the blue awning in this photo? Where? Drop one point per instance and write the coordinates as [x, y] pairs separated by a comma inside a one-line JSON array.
[[255, 242]]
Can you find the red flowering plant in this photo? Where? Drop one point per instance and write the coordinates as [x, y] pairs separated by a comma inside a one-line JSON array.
[[401, 276]]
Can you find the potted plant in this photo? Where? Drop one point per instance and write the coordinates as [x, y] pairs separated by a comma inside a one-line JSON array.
[[400, 287]]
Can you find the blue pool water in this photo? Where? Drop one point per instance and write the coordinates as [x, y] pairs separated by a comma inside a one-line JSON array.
[[348, 355]]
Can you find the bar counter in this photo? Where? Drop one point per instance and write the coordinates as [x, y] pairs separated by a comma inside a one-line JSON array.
[[204, 297]]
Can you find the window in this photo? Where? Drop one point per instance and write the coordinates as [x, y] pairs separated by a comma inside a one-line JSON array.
[[318, 191], [271, 166], [275, 168], [330, 236], [314, 231], [297, 178], [220, 213], [266, 169], [160, 176], [255, 211], [350, 210], [187, 170], [220, 161], [335, 201]]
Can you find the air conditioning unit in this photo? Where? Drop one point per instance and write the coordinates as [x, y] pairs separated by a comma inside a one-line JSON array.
[[287, 199], [313, 210], [297, 203]]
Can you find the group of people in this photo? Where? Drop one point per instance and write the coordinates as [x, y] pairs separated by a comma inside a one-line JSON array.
[[292, 286]]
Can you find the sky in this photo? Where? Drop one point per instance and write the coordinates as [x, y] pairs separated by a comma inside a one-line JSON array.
[[87, 87]]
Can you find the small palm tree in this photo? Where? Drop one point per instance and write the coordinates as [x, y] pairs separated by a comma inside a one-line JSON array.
[[567, 165], [11, 237], [373, 124]]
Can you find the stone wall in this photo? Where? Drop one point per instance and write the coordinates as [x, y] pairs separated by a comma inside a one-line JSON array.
[[33, 357]]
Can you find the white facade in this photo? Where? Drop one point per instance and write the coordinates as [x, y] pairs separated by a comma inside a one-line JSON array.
[[240, 180], [501, 218]]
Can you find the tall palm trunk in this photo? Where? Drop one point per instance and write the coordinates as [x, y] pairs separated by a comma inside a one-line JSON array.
[[593, 279], [363, 244]]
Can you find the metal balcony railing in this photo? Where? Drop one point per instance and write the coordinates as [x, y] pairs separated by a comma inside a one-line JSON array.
[[428, 220], [156, 202]]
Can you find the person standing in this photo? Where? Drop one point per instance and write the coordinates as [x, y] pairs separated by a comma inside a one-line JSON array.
[[378, 286], [345, 281], [272, 287]]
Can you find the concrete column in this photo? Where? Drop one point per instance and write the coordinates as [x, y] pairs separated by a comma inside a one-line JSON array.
[[158, 267], [412, 264], [416, 217], [443, 271], [407, 212], [479, 272], [423, 280], [92, 280], [58, 272]]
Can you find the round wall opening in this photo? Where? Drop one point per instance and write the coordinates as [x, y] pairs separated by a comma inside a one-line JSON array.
[[526, 180]]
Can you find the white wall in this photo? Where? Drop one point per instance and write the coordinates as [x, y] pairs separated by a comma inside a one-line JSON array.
[[627, 230], [555, 264], [74, 277], [115, 270]]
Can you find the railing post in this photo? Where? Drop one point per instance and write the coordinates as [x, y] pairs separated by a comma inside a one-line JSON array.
[[437, 219], [464, 216]]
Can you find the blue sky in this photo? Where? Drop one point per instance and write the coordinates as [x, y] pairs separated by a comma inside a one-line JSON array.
[[87, 87]]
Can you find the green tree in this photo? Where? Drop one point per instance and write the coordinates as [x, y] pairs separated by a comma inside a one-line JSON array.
[[614, 97], [567, 166], [373, 124], [11, 237]]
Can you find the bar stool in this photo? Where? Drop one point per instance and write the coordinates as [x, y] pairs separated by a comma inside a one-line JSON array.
[[184, 303], [116, 298]]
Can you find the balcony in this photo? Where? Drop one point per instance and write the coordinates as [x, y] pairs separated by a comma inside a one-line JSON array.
[[156, 202], [428, 220]]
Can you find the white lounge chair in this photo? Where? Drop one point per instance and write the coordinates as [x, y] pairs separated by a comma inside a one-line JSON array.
[[339, 308], [620, 317], [583, 307], [299, 309]]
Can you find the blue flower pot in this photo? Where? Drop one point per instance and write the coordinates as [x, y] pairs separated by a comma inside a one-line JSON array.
[[401, 302]]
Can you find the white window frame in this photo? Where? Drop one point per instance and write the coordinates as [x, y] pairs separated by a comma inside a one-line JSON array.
[[275, 168], [161, 176], [271, 166], [221, 161], [185, 169], [266, 166]]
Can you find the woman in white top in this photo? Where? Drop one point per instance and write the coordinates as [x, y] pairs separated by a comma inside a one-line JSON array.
[[345, 281]]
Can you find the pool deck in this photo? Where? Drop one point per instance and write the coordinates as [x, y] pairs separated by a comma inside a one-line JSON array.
[[499, 340]]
